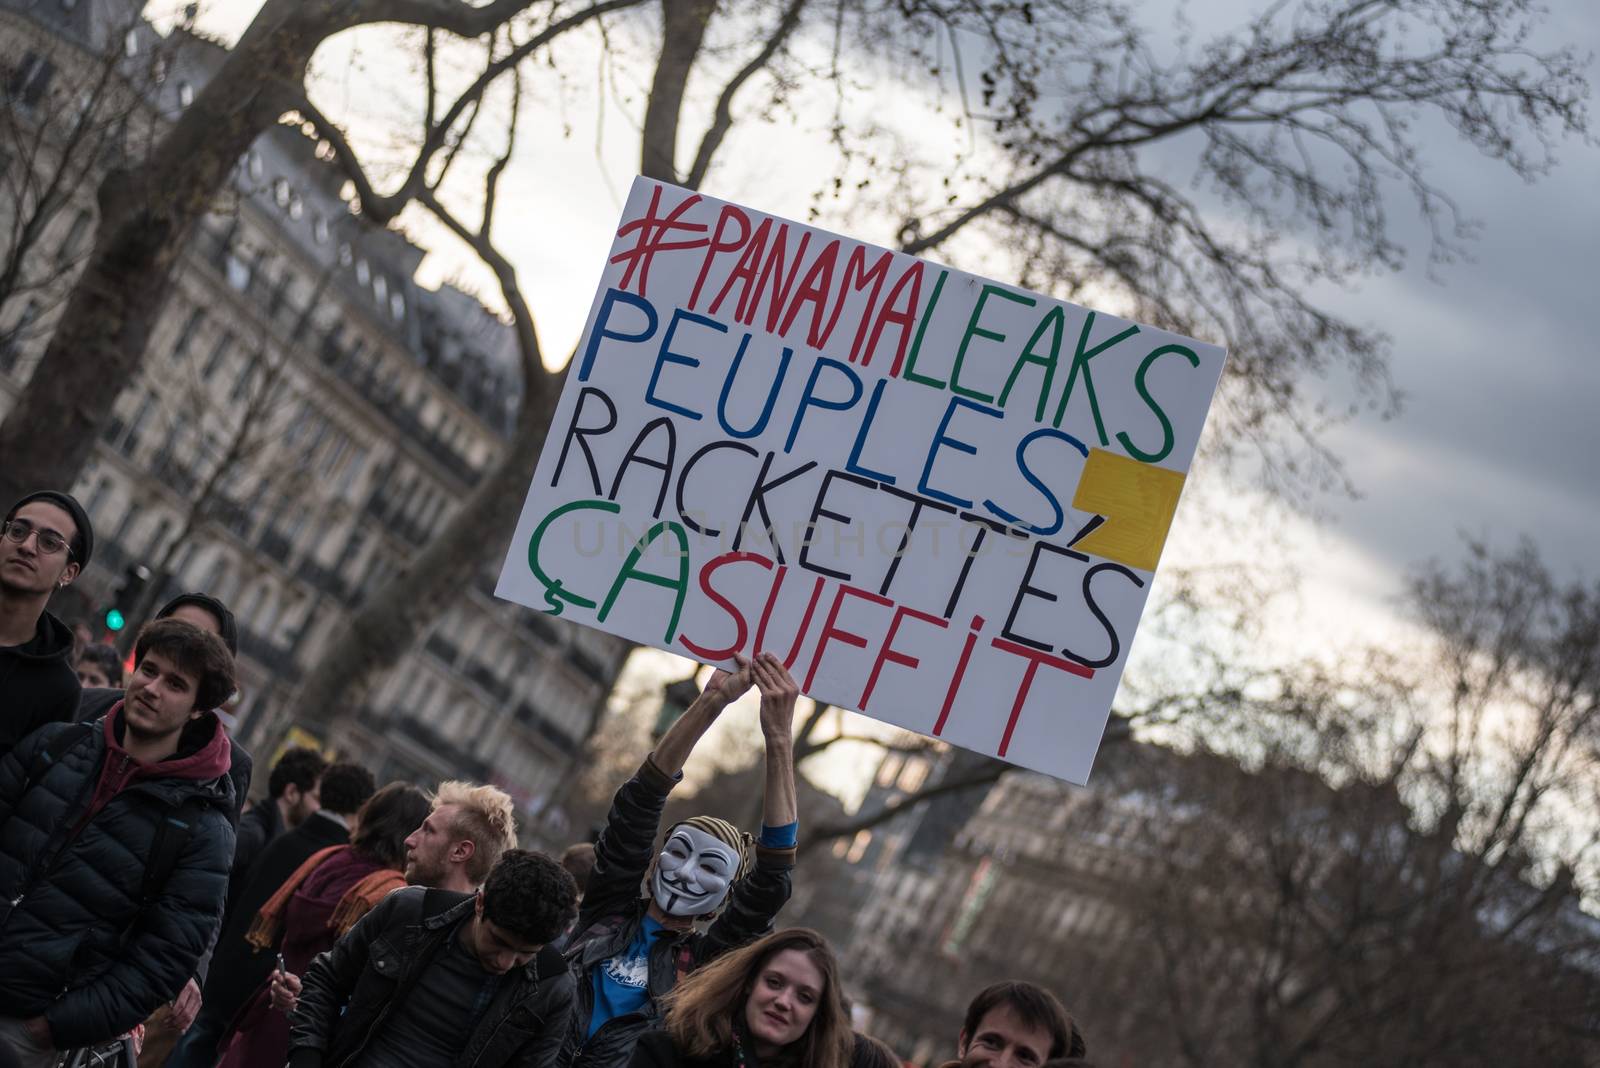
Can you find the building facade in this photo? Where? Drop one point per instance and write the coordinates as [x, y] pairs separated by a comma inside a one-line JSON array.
[[307, 417]]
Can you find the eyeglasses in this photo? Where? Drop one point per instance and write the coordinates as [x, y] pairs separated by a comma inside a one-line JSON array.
[[50, 542]]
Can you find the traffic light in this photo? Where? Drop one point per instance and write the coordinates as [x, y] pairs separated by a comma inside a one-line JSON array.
[[125, 598]]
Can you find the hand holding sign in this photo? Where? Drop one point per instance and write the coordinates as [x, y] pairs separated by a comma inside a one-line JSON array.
[[930, 497], [778, 694], [725, 687]]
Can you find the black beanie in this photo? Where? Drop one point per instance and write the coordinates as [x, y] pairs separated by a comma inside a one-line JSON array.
[[225, 621], [83, 543]]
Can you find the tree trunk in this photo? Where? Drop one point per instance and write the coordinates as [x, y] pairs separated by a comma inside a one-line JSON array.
[[683, 29], [147, 215], [389, 622]]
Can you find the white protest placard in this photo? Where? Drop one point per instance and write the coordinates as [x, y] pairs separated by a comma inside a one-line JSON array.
[[941, 499]]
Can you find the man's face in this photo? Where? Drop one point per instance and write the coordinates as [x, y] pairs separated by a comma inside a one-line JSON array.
[[302, 803], [91, 674], [1003, 1040], [429, 846], [497, 949], [160, 697], [693, 872], [25, 567]]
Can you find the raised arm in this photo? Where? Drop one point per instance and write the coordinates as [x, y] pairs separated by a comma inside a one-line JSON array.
[[672, 752], [778, 693], [755, 900]]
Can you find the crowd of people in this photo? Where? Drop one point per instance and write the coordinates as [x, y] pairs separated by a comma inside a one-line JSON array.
[[149, 915]]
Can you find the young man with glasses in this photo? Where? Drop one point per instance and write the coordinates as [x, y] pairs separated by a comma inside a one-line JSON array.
[[45, 544]]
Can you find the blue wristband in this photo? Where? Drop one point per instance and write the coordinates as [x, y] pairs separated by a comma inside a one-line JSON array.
[[783, 837]]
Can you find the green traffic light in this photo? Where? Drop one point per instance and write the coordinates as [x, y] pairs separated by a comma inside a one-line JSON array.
[[114, 619]]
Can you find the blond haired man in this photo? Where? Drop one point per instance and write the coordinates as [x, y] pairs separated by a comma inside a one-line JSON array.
[[462, 838]]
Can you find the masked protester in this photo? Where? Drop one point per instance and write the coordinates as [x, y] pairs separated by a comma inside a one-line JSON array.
[[774, 1002], [628, 952]]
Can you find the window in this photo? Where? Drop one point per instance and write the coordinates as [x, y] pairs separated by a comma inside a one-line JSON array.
[[330, 463], [241, 385], [281, 192], [130, 44], [319, 230], [219, 353], [346, 255], [237, 271], [180, 347], [397, 307], [253, 164], [380, 288], [858, 847], [352, 470], [185, 94], [297, 208], [158, 537], [363, 271], [98, 495]]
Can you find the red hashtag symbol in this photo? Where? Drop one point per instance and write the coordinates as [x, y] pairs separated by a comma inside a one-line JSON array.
[[653, 231]]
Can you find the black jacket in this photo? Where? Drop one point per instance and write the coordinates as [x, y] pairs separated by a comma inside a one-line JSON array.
[[657, 1050], [237, 967], [612, 912], [370, 972], [258, 828], [38, 683], [79, 942]]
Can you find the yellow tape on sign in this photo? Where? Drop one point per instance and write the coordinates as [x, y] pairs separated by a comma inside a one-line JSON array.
[[1138, 501]]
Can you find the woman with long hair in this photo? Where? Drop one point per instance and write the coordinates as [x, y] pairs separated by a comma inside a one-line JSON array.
[[775, 1003], [320, 902]]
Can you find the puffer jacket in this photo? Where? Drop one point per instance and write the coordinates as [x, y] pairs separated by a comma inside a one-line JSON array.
[[79, 943], [352, 988], [613, 910]]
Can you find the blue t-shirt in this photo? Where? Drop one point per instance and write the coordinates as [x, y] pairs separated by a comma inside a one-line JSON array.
[[621, 983]]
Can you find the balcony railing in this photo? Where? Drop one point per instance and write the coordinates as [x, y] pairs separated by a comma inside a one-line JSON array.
[[276, 545], [587, 664], [276, 657], [443, 648], [493, 686], [324, 579]]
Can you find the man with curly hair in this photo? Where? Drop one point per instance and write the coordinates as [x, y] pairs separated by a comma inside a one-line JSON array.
[[433, 977]]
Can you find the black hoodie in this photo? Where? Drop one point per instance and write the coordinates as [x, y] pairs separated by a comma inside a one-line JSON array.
[[38, 683]]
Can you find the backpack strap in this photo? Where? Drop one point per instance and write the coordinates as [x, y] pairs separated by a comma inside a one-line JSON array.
[[52, 752], [172, 836]]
